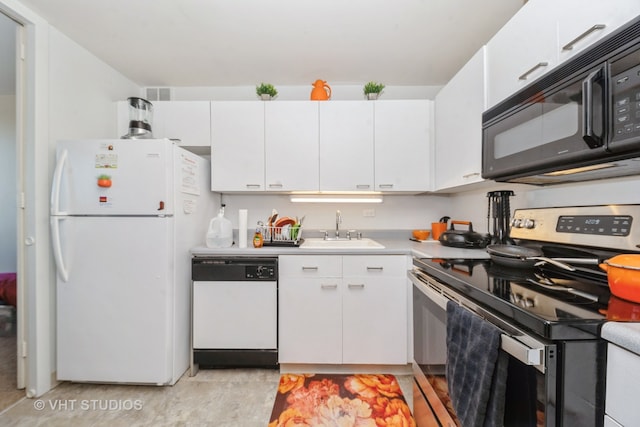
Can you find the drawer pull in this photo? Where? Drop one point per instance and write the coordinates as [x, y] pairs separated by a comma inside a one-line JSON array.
[[362, 186], [469, 175], [534, 68], [329, 286], [309, 268], [253, 185], [573, 42], [355, 285], [386, 185], [375, 268], [275, 185]]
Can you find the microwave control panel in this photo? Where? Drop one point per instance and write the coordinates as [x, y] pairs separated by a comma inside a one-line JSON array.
[[626, 104]]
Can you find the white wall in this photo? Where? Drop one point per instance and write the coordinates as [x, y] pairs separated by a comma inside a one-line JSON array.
[[395, 213], [8, 239], [472, 205], [83, 91]]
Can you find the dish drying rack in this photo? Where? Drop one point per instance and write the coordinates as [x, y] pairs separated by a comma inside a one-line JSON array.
[[281, 236]]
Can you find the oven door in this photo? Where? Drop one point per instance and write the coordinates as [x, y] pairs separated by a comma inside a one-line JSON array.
[[555, 129], [531, 383]]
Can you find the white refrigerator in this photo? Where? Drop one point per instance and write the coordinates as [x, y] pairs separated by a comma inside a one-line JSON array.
[[124, 214]]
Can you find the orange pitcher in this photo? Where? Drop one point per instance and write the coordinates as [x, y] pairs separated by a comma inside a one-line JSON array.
[[321, 91]]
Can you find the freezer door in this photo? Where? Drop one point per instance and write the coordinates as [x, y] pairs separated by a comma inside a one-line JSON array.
[[140, 177], [115, 312]]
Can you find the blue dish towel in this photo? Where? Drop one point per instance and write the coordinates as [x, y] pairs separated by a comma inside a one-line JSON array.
[[476, 368]]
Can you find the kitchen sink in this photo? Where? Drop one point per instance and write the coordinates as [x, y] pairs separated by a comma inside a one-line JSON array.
[[320, 243]]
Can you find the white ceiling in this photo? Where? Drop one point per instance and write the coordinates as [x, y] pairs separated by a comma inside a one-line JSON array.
[[284, 42]]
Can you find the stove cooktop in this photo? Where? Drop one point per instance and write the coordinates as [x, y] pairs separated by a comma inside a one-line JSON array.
[[548, 302]]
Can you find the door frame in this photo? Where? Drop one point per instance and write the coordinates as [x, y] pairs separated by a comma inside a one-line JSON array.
[[36, 321]]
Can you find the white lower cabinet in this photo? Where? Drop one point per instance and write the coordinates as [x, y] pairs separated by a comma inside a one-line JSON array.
[[309, 309], [336, 309], [623, 387]]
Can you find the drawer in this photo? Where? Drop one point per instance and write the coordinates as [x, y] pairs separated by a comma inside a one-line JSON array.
[[310, 266], [374, 266]]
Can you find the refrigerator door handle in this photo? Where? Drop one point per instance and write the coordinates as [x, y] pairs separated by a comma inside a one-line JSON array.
[[57, 182], [57, 247]]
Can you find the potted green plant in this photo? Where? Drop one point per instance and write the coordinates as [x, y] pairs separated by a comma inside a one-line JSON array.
[[266, 91], [372, 90]]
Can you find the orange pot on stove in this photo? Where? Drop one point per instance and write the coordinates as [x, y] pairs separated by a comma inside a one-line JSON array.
[[623, 275], [321, 91]]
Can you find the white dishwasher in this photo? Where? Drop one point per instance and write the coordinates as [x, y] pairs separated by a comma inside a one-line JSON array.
[[234, 312]]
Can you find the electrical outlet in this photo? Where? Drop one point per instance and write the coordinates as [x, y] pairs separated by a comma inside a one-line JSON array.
[[369, 212]]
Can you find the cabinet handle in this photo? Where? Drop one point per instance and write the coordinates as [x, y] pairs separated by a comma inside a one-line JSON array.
[[275, 185], [573, 42], [375, 268], [309, 268], [362, 186], [469, 175], [253, 185], [534, 68], [355, 285], [386, 186], [329, 285]]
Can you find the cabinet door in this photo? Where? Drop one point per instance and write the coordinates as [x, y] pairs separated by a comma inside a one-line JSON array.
[[237, 146], [623, 385], [186, 122], [458, 126], [403, 149], [291, 146], [310, 309], [310, 320], [581, 26], [346, 146], [374, 310], [523, 50]]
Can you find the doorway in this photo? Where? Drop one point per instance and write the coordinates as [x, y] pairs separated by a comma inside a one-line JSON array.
[[11, 378]]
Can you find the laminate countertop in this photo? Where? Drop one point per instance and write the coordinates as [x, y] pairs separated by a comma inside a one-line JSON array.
[[392, 246], [623, 334]]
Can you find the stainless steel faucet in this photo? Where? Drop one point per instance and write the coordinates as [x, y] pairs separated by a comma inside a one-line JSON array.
[[338, 222]]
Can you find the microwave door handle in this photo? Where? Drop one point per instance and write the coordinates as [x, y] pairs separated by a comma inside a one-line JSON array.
[[592, 140]]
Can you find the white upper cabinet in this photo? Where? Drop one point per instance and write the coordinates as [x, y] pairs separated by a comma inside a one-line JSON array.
[[283, 146], [580, 26], [458, 125], [237, 146], [291, 146], [523, 50], [403, 145], [186, 122], [346, 146], [544, 34]]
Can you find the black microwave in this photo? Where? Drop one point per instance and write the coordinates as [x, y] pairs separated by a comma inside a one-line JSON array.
[[579, 122]]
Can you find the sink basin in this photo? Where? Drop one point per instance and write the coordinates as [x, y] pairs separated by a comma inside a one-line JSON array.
[[320, 243]]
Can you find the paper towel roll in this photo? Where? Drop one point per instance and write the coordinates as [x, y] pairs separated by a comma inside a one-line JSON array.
[[242, 227]]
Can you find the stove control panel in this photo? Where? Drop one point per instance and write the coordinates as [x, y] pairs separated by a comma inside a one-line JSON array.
[[608, 225], [605, 226]]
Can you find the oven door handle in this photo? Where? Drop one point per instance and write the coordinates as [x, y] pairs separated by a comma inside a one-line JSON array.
[[525, 354], [528, 356]]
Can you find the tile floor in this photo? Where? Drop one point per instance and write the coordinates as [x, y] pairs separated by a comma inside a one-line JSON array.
[[220, 398]]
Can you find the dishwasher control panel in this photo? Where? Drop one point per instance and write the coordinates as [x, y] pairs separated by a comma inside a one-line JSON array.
[[260, 272], [216, 269]]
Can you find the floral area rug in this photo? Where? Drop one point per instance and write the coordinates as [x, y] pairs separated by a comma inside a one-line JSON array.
[[360, 400]]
